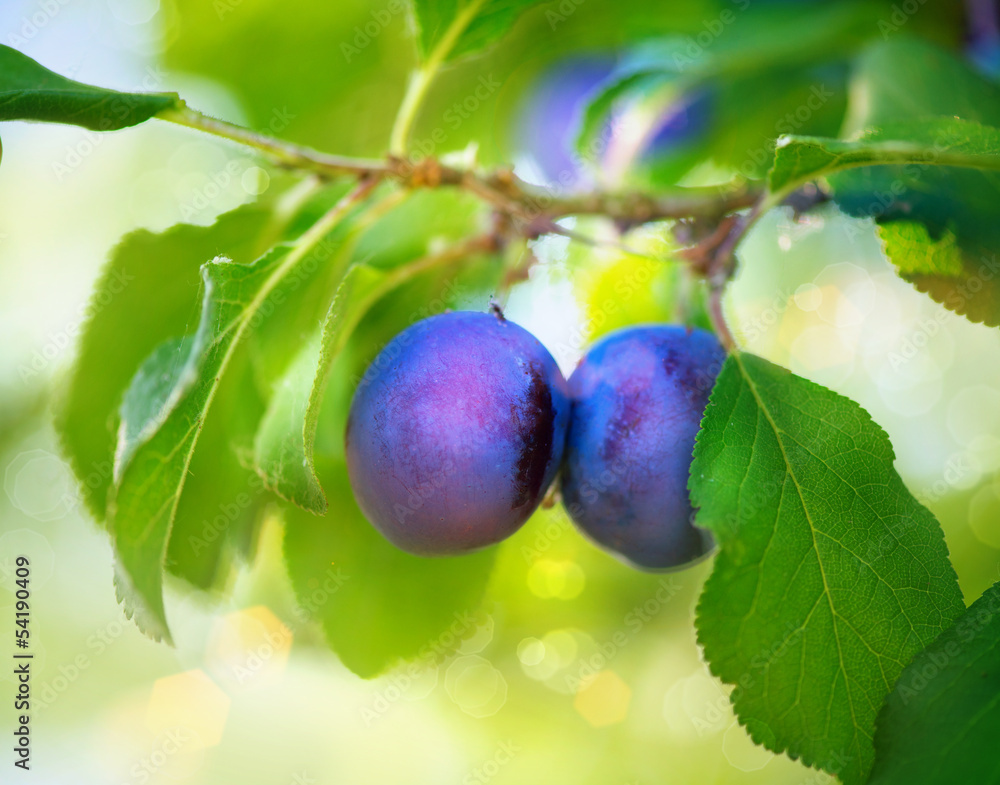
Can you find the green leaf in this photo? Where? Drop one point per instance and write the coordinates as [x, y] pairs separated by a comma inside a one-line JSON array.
[[462, 27], [220, 509], [905, 78], [386, 256], [283, 450], [284, 444], [377, 604], [29, 91], [147, 295], [941, 722], [943, 141], [830, 576], [151, 467], [905, 81], [963, 283]]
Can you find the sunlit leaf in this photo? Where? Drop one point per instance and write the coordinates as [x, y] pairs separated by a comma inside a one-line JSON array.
[[377, 604], [945, 141], [466, 26], [830, 576], [906, 81]]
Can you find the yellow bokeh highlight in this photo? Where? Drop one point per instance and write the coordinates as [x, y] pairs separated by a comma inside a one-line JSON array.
[[629, 289], [603, 699], [192, 703], [552, 579], [248, 648]]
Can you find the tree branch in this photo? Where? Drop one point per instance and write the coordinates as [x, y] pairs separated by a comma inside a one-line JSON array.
[[501, 188]]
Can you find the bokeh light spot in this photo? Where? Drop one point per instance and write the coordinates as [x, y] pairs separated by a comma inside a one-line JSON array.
[[551, 579], [255, 180], [603, 699], [530, 651], [248, 648], [478, 688], [741, 751], [191, 704], [808, 297]]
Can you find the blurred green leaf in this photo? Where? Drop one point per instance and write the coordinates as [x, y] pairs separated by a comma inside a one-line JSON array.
[[152, 463], [29, 91], [377, 604], [938, 266], [941, 722], [905, 81], [760, 62], [907, 78], [829, 577], [147, 295], [943, 141], [426, 220], [348, 108], [283, 448], [464, 26], [217, 515]]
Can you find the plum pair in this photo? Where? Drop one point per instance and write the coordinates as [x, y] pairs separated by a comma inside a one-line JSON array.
[[460, 425]]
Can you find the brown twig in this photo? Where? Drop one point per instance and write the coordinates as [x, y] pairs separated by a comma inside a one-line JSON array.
[[500, 188]]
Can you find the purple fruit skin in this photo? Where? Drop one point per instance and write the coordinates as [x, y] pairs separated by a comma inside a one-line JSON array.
[[456, 432], [638, 398]]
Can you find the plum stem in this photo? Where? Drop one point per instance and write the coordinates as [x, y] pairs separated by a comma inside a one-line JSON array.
[[716, 313]]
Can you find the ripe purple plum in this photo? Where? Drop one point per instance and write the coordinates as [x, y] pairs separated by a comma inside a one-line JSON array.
[[638, 397], [455, 433]]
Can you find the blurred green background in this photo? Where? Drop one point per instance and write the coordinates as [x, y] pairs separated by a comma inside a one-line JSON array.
[[577, 669]]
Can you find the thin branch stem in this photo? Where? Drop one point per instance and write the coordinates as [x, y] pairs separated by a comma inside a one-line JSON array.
[[639, 207], [501, 189], [716, 314], [420, 80], [474, 245], [335, 214], [286, 154]]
